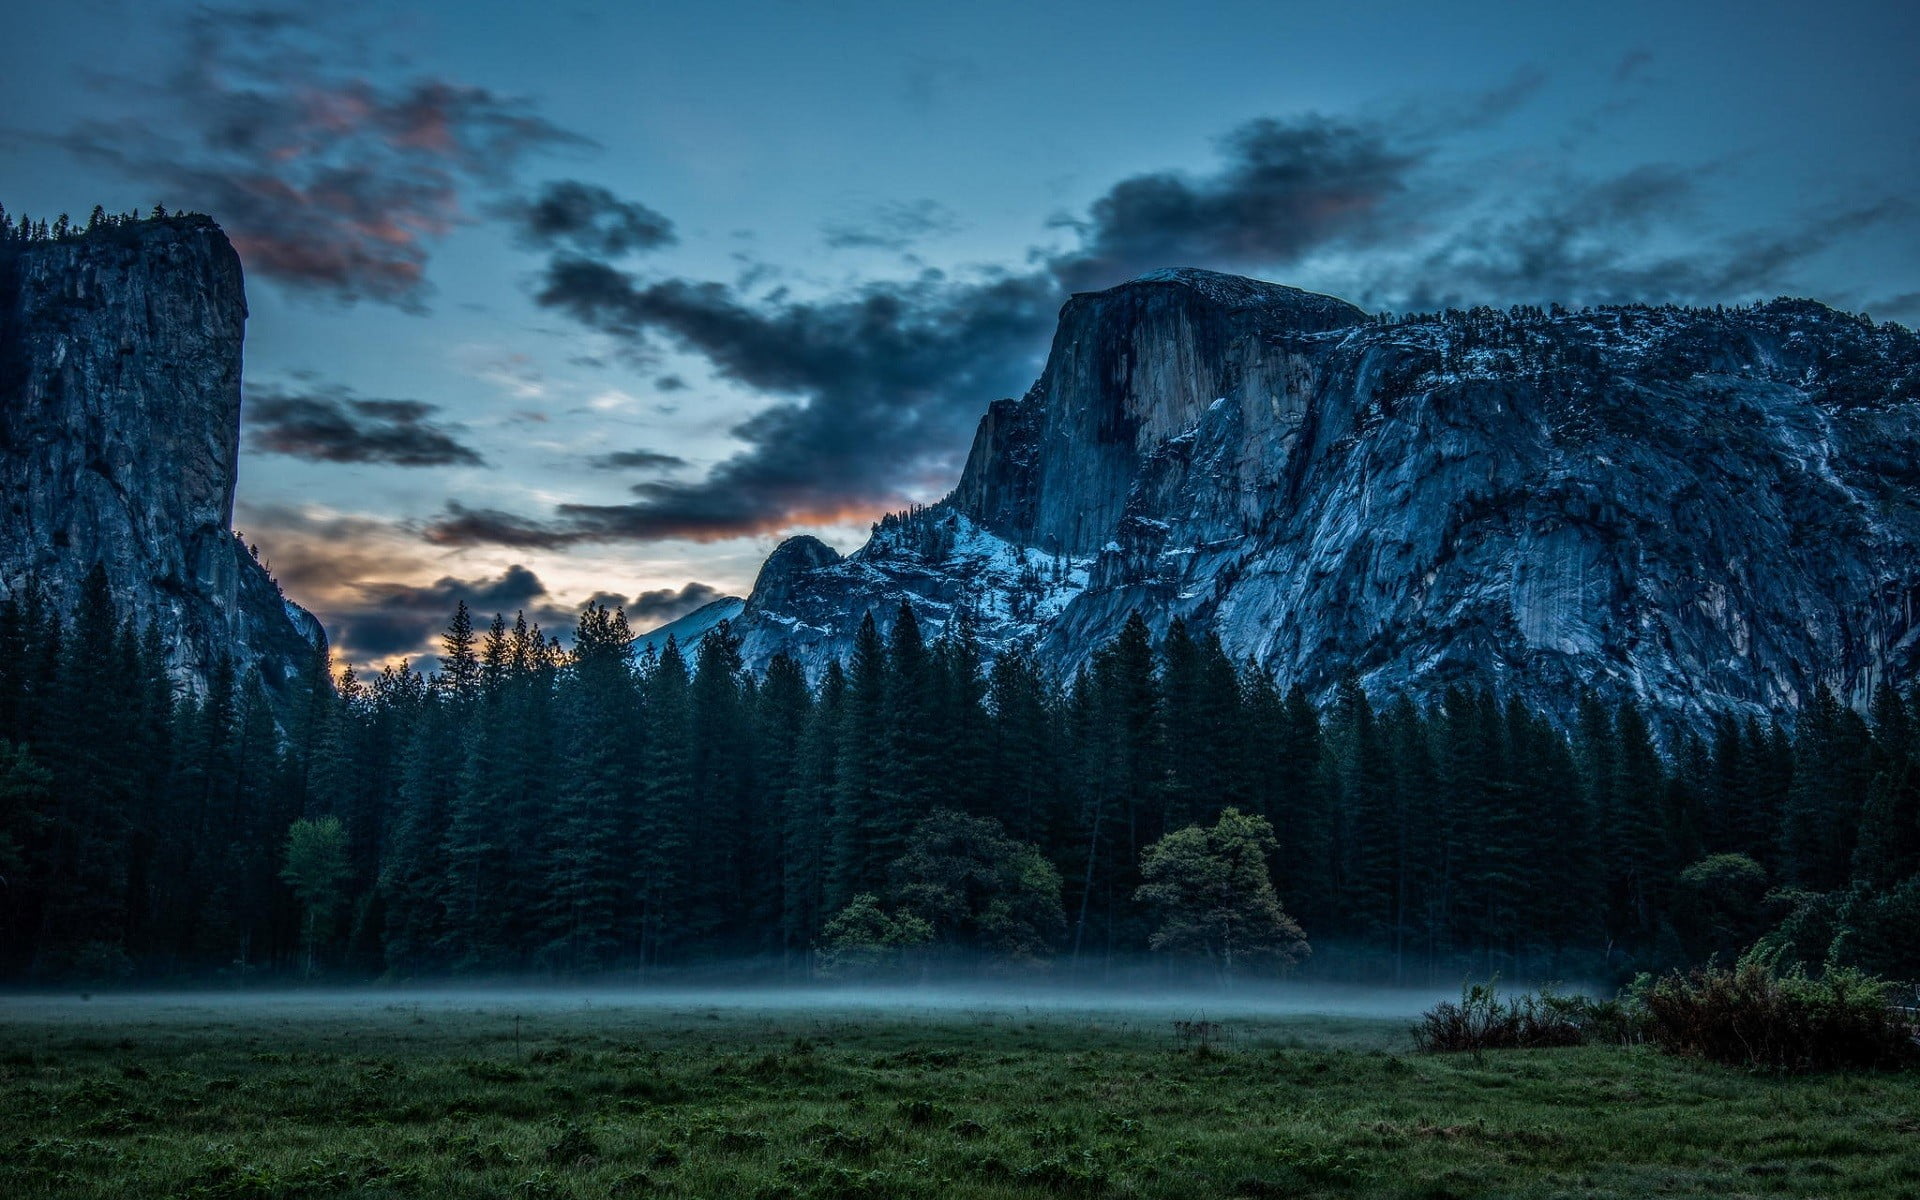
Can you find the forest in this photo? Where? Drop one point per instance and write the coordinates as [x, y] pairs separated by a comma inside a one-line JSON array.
[[536, 808]]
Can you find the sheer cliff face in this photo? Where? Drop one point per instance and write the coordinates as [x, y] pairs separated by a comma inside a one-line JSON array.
[[119, 433], [1709, 511], [1130, 369]]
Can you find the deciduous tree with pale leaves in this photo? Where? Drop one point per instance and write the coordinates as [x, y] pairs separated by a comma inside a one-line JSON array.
[[1214, 898]]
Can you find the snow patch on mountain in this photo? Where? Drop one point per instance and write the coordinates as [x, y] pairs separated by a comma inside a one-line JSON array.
[[687, 630]]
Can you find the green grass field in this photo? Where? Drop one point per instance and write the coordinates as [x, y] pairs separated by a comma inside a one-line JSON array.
[[497, 1096]]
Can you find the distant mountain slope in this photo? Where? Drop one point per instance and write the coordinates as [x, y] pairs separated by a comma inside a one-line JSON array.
[[689, 629], [1708, 510], [119, 438]]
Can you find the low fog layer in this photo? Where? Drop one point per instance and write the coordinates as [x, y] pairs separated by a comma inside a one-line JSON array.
[[895, 1001]]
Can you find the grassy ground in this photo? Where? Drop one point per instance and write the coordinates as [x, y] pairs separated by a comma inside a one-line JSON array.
[[497, 1097]]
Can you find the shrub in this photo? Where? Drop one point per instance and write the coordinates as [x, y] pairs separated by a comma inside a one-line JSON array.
[[574, 1146], [1754, 1015], [93, 962], [864, 937], [1863, 927], [920, 1112], [1481, 1021]]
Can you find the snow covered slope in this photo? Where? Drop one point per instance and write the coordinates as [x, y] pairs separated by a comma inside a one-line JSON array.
[[689, 629]]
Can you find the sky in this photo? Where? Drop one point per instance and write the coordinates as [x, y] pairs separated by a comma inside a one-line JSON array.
[[602, 302]]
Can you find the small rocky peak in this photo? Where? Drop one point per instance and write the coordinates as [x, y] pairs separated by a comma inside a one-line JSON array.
[[789, 561]]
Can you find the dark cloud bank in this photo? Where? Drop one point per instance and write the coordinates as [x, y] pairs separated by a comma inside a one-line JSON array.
[[661, 605], [334, 425]]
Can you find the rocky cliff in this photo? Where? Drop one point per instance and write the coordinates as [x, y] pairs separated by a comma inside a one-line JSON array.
[[1709, 510], [119, 434]]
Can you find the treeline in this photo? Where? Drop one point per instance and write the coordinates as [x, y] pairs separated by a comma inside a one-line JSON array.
[[25, 230], [529, 808]]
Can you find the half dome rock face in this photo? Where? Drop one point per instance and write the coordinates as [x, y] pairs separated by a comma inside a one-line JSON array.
[[119, 437], [1131, 368], [1708, 510]]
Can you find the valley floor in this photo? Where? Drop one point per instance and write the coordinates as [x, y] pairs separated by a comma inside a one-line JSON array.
[[535, 1096]]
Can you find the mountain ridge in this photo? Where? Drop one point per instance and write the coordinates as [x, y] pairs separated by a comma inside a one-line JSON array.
[[1707, 510]]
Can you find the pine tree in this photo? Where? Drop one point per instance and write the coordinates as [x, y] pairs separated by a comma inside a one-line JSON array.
[[459, 664], [612, 857], [781, 838], [1200, 726], [477, 830], [1364, 819], [527, 745], [857, 863], [263, 806], [912, 780], [415, 880], [722, 883], [82, 742], [963, 746], [1833, 770], [1416, 850], [808, 814], [577, 812], [1023, 768], [1888, 850], [668, 806], [1301, 812], [1123, 809], [1641, 866]]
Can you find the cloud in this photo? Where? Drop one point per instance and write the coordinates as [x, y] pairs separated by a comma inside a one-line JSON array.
[[1451, 114], [463, 526], [640, 460], [516, 374], [587, 219], [1632, 237], [318, 555], [333, 425], [347, 570], [893, 226], [928, 79], [1285, 188], [661, 605], [882, 388], [325, 180], [1634, 62], [1902, 306], [391, 619]]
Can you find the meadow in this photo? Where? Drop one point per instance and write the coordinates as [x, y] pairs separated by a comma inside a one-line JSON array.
[[536, 1096]]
